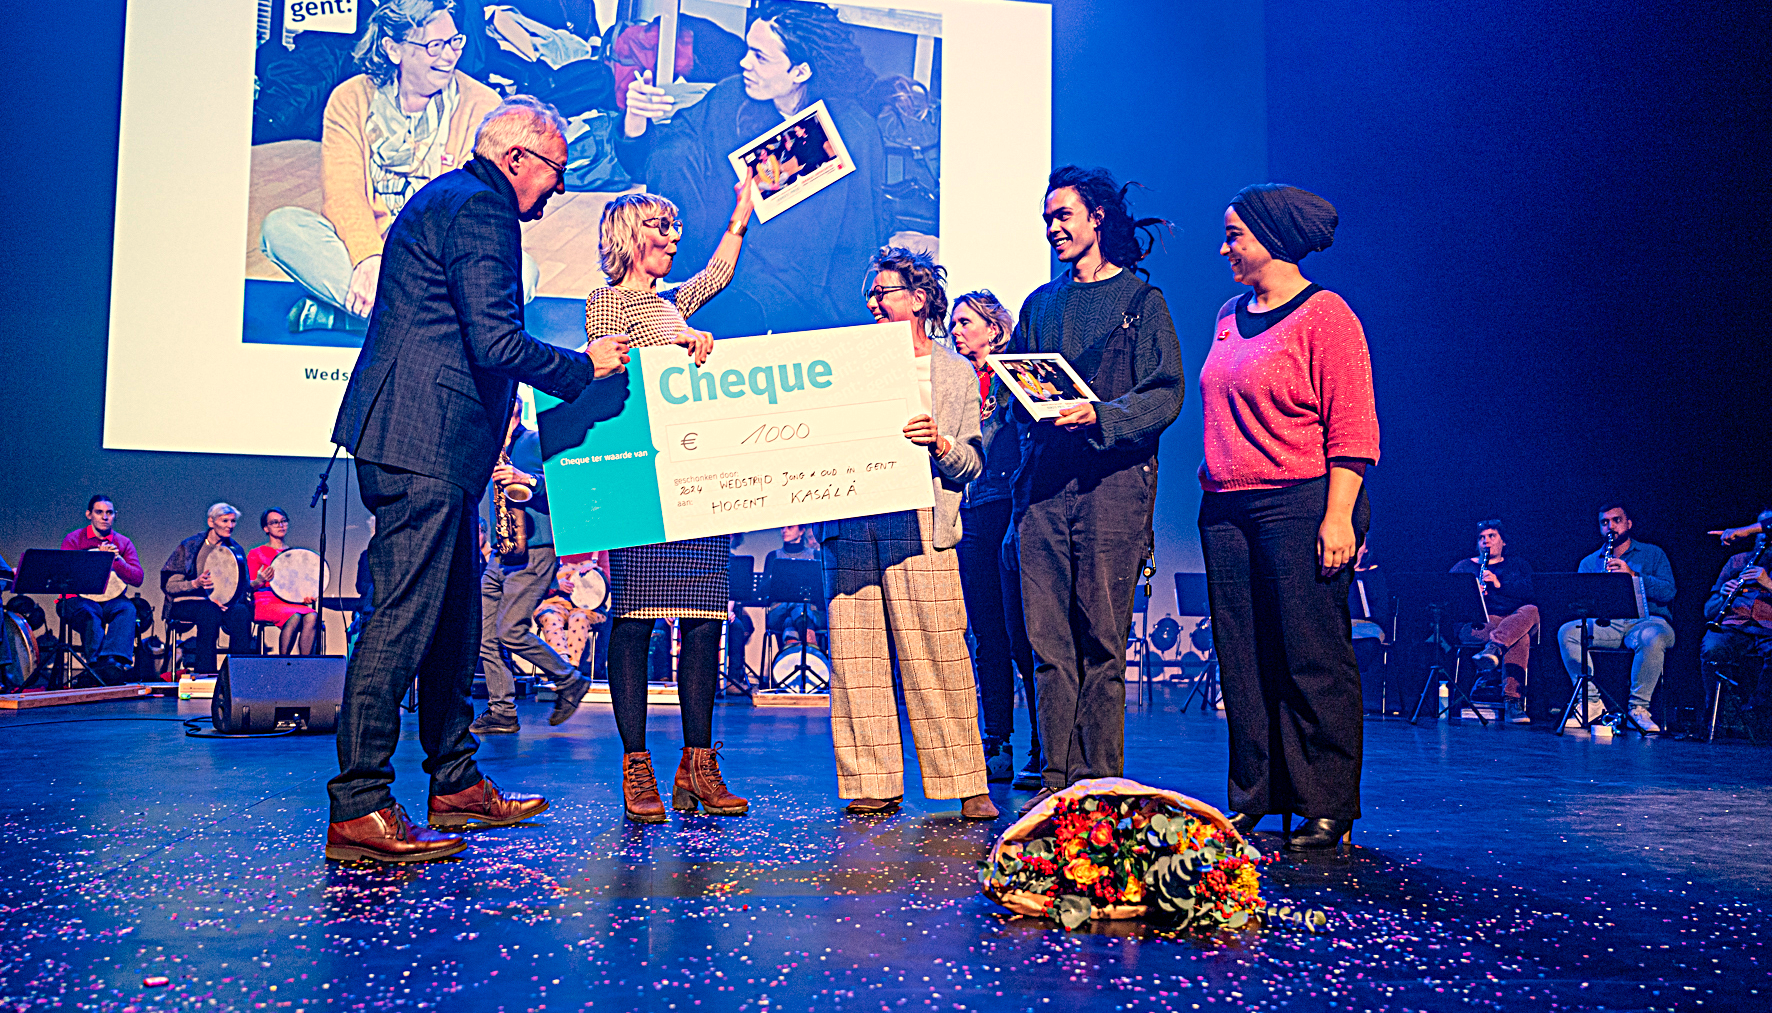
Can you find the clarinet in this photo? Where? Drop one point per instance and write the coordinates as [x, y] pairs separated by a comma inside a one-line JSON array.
[[1482, 568], [1606, 553], [1762, 554]]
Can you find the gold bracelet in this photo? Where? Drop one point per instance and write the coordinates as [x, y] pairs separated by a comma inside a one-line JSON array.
[[738, 231]]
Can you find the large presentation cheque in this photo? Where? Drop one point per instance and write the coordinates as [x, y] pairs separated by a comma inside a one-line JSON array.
[[772, 430]]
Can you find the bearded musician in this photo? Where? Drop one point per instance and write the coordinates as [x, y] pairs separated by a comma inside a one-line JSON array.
[[1738, 636]]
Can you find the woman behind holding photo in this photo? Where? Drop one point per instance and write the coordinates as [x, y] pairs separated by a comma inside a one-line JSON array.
[[682, 580], [981, 326], [1290, 429], [894, 583]]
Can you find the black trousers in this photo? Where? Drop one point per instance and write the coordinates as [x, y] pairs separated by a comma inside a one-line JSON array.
[[1748, 655], [1284, 642], [993, 606], [211, 619], [1081, 549], [426, 625]]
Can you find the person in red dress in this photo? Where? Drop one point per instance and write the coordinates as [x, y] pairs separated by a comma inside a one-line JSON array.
[[298, 623]]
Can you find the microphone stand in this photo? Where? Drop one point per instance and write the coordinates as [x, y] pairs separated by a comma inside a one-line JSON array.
[[321, 492]]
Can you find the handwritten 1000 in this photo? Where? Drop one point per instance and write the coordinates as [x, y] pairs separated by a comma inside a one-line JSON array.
[[732, 384]]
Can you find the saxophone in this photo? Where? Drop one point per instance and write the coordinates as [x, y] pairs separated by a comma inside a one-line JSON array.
[[510, 528]]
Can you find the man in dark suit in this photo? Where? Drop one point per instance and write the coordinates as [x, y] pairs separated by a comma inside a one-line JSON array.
[[424, 415]]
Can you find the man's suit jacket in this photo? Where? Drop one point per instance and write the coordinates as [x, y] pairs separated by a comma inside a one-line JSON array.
[[433, 386]]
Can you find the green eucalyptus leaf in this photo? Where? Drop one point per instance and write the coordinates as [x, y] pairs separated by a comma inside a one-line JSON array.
[[1317, 919], [1238, 920], [1072, 911], [1159, 823]]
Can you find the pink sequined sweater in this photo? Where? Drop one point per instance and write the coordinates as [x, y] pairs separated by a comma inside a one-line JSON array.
[[1279, 405]]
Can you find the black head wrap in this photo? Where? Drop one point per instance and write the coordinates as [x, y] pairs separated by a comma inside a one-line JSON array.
[[1288, 221]]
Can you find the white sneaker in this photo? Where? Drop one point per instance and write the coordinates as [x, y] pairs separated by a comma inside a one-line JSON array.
[[1595, 710], [1644, 720]]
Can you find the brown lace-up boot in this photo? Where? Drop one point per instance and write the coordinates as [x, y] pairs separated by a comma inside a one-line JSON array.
[[699, 780], [639, 789]]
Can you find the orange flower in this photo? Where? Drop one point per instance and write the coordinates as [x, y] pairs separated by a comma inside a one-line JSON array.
[[1071, 849], [1102, 834], [1134, 891], [1083, 872]]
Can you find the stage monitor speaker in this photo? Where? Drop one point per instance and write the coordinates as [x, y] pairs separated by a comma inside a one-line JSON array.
[[264, 694]]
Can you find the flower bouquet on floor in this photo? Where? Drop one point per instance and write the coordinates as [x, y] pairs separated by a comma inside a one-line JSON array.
[[1112, 848]]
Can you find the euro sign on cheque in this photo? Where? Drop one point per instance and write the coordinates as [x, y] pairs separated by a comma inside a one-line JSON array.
[[771, 430]]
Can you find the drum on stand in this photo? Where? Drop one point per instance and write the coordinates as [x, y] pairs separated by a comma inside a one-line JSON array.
[[800, 668], [297, 575], [24, 651]]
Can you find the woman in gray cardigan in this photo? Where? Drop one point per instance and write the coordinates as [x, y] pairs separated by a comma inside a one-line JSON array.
[[897, 576]]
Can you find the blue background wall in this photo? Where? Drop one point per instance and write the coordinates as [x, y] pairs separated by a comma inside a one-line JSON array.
[[1552, 226]]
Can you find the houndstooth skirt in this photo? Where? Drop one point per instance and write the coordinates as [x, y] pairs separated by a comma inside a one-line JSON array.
[[671, 580]]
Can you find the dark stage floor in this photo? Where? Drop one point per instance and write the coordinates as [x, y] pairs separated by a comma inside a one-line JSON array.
[[1497, 867]]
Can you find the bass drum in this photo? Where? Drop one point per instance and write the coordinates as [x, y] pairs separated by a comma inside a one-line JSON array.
[[298, 575], [23, 653], [590, 589], [784, 672]]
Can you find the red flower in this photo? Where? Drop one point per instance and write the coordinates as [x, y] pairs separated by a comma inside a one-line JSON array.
[[1102, 834]]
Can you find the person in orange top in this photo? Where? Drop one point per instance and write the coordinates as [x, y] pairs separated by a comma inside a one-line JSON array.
[[407, 119]]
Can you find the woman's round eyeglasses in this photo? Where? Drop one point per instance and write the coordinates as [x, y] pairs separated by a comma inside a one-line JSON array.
[[434, 48]]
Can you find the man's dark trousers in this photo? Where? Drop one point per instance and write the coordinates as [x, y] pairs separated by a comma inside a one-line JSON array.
[[426, 624], [106, 628], [1081, 550]]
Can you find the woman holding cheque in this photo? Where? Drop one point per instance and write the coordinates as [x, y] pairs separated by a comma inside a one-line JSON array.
[[684, 580], [897, 575]]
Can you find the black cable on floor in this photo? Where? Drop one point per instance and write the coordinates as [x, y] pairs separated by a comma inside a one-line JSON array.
[[192, 731]]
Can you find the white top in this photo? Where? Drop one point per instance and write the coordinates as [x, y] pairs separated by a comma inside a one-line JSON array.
[[923, 387]]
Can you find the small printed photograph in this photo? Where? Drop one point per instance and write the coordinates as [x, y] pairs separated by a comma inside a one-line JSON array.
[[793, 161], [1044, 383]]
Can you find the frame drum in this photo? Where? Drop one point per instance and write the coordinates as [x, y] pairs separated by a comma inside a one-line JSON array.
[[298, 576], [227, 578], [24, 650], [781, 671], [590, 589], [112, 589]]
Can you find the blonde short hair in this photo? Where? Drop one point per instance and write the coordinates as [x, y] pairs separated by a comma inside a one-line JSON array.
[[619, 232], [991, 309]]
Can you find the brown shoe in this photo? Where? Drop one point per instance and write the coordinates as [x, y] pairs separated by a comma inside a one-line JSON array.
[[484, 805], [699, 780], [874, 806], [1042, 795], [978, 807], [386, 835], [639, 789]]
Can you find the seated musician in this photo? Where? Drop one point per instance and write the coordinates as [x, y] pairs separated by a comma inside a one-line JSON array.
[[188, 578], [298, 623], [786, 619], [1508, 598], [1369, 608], [1738, 643], [567, 627], [107, 628], [1648, 638]]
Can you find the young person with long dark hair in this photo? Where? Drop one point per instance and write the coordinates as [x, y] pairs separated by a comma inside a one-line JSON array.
[[1087, 482], [1290, 430]]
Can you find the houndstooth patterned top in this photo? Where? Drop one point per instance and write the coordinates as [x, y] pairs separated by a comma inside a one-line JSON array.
[[684, 579]]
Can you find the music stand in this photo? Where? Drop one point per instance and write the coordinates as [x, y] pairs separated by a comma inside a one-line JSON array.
[[1444, 598], [1601, 597], [741, 589], [1191, 600], [58, 572], [799, 581]]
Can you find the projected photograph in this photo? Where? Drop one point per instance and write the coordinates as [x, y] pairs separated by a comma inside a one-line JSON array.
[[357, 106]]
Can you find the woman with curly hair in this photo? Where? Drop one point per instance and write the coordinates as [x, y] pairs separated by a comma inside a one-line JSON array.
[[682, 580], [407, 119], [799, 272], [894, 583]]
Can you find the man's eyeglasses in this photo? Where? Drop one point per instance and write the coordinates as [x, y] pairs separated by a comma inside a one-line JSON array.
[[665, 226], [550, 163], [879, 291], [434, 48]]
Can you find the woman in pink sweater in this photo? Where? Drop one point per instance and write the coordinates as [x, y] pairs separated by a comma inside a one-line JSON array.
[[1290, 430]]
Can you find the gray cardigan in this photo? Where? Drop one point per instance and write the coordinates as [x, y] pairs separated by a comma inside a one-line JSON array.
[[953, 387]]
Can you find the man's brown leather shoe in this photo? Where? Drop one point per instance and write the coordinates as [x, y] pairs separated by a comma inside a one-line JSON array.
[[874, 806], [484, 805], [699, 780], [639, 789], [386, 835]]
